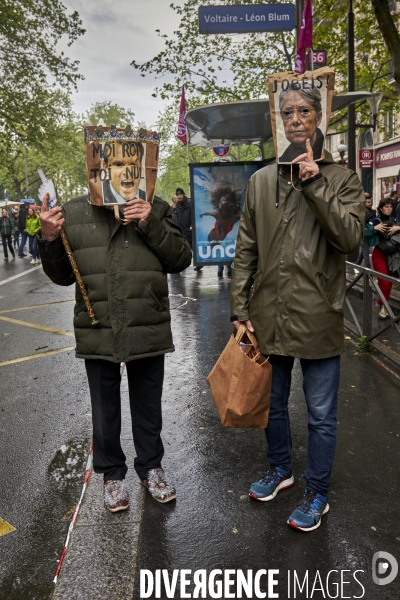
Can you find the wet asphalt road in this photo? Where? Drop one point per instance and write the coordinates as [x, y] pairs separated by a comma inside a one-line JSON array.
[[45, 431], [215, 525]]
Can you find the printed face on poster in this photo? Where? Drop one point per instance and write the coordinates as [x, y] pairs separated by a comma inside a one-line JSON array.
[[121, 164], [218, 195], [300, 110]]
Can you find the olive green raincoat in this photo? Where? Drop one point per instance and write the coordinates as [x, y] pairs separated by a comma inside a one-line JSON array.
[[291, 248]]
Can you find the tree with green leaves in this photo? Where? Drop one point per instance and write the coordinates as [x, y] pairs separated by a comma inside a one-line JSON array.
[[31, 66], [60, 152], [226, 67], [111, 113]]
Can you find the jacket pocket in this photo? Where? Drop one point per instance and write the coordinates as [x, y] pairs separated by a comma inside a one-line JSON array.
[[155, 298], [329, 293]]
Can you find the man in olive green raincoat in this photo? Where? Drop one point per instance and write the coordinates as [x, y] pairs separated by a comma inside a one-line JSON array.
[[291, 251]]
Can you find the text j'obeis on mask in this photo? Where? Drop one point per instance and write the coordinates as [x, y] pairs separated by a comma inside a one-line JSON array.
[[121, 163], [300, 108]]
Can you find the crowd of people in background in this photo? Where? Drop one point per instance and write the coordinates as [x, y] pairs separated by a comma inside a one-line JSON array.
[[18, 226]]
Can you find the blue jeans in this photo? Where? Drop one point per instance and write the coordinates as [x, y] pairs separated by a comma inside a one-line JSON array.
[[24, 237], [320, 384], [33, 250]]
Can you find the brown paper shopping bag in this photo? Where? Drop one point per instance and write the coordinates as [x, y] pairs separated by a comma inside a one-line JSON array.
[[240, 383]]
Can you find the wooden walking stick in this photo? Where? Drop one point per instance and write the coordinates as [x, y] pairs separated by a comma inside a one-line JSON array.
[[78, 277]]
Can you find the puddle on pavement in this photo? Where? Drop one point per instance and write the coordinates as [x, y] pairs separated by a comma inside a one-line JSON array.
[[69, 463], [41, 540]]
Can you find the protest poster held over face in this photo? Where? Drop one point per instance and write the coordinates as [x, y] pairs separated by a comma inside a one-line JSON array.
[[121, 163], [300, 108]]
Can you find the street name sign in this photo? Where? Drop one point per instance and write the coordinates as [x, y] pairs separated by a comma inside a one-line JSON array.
[[247, 18]]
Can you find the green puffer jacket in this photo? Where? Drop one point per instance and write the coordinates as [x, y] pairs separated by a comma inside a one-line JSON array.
[[124, 269], [294, 256]]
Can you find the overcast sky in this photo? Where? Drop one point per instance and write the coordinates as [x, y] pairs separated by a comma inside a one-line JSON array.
[[117, 33]]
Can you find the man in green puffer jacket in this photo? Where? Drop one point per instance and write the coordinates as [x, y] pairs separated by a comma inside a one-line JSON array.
[[124, 268]]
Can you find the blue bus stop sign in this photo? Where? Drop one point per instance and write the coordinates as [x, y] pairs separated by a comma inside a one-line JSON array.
[[247, 18]]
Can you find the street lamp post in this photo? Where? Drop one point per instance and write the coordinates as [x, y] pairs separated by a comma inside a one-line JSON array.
[[342, 149], [351, 111], [299, 17], [374, 101]]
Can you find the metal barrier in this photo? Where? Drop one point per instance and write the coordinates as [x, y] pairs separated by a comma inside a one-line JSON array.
[[364, 326]]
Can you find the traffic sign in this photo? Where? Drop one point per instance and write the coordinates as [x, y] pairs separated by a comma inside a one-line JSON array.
[[318, 58], [247, 18], [366, 158], [221, 150]]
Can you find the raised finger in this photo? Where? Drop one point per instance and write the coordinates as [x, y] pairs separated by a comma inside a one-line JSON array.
[[45, 203], [310, 154]]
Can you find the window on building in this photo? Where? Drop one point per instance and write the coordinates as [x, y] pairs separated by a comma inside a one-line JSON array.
[[390, 124]]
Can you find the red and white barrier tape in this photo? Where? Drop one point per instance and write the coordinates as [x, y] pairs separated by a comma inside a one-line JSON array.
[[183, 298], [71, 525]]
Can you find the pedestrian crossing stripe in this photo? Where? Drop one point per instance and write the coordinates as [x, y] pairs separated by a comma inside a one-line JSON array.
[[5, 527]]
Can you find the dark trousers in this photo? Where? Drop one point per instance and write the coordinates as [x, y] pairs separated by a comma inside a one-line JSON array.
[[24, 236], [364, 254], [6, 239], [145, 380]]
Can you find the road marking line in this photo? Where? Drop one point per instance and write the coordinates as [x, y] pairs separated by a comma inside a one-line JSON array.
[[39, 355], [20, 275], [35, 326], [36, 306], [5, 527]]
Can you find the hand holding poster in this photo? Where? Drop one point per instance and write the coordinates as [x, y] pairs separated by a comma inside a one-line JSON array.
[[300, 109], [121, 164]]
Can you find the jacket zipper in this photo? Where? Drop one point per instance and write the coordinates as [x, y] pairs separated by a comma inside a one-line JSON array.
[[126, 238]]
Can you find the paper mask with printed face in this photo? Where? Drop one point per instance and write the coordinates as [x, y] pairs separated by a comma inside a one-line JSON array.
[[121, 164], [300, 108]]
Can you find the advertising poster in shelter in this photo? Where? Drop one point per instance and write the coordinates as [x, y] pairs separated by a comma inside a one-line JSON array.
[[218, 195], [121, 164], [300, 109]]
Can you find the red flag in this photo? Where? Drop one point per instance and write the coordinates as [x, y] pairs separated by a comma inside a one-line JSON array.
[[181, 134], [305, 38]]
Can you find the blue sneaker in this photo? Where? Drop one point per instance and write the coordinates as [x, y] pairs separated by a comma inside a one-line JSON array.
[[274, 481], [307, 516]]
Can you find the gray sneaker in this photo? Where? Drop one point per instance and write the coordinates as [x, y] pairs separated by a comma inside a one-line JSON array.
[[116, 496], [158, 486]]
